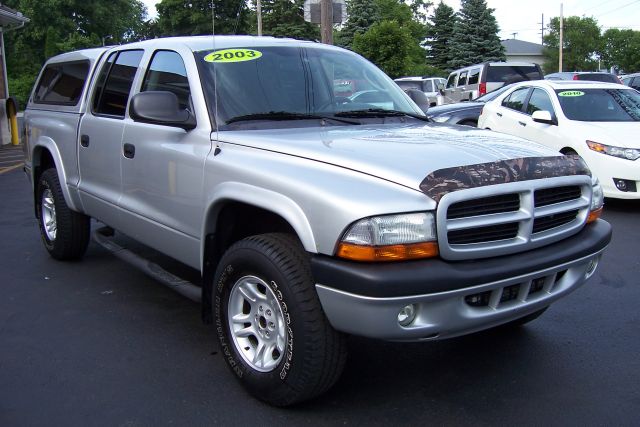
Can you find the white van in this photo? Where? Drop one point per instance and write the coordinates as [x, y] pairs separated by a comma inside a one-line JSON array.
[[473, 81]]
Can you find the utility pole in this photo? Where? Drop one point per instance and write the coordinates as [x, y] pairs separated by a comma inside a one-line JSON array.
[[542, 30], [561, 30], [259, 13], [326, 21]]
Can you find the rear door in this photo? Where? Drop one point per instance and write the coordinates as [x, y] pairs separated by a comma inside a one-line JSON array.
[[101, 130], [510, 117]]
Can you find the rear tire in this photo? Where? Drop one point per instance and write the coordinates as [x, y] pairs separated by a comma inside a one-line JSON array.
[[264, 296], [65, 233]]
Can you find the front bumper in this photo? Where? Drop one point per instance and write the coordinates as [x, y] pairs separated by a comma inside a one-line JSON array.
[[608, 169], [365, 299]]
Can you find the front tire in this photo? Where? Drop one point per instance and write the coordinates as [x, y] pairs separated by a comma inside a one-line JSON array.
[[65, 233], [271, 327]]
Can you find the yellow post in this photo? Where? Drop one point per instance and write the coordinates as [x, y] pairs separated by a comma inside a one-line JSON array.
[[13, 122]]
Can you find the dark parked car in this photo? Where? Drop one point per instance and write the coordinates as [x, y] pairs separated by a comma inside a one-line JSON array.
[[463, 113], [631, 80], [595, 76]]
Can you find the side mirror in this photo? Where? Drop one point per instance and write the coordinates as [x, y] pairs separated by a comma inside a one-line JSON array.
[[419, 98], [542, 116], [160, 108]]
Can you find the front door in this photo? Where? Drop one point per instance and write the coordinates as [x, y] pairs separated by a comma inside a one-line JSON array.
[[163, 169]]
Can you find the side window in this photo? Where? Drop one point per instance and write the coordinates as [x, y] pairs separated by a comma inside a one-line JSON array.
[[62, 84], [473, 76], [539, 101], [635, 83], [515, 101], [167, 72], [462, 80], [451, 82], [428, 86], [112, 94]]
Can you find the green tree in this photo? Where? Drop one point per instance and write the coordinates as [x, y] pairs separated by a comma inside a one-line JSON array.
[[58, 26], [581, 43], [440, 34], [621, 49], [475, 36], [285, 18], [387, 45], [361, 15], [194, 17]]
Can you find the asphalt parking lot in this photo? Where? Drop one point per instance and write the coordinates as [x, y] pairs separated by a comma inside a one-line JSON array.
[[99, 343]]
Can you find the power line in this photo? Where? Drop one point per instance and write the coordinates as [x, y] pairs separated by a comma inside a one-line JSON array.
[[621, 7]]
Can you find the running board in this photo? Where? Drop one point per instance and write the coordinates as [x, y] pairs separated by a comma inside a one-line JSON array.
[[102, 237]]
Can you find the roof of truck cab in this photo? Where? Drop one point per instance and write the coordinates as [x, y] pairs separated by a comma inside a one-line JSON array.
[[79, 55], [201, 43]]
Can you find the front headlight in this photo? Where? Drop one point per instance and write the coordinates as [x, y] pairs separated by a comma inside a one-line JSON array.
[[441, 119], [623, 153], [390, 238], [597, 200]]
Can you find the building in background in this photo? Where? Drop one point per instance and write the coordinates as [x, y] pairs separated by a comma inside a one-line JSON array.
[[521, 51], [10, 20]]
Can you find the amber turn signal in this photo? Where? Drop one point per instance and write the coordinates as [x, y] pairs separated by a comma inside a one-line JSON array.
[[387, 253], [593, 215]]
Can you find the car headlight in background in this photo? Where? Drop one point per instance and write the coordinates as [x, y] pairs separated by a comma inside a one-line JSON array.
[[623, 153], [597, 200], [390, 238], [441, 119]]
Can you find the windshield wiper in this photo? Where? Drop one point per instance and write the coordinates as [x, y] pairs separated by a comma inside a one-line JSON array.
[[380, 112], [286, 115]]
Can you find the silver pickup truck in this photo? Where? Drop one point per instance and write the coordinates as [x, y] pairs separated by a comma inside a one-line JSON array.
[[309, 212]]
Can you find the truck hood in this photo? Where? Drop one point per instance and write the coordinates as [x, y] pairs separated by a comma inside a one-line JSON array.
[[404, 154]]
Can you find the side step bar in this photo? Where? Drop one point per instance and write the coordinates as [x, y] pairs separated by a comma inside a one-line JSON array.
[[102, 237]]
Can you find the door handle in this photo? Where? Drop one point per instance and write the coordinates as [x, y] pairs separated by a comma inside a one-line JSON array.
[[499, 114], [522, 123], [129, 151], [84, 140]]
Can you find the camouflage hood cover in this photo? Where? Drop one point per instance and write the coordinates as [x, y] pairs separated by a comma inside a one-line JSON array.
[[444, 181]]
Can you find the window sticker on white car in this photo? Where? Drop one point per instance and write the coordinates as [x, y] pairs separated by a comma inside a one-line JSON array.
[[233, 55], [571, 93]]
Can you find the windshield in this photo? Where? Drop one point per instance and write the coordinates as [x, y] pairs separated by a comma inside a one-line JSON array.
[[304, 81], [600, 105]]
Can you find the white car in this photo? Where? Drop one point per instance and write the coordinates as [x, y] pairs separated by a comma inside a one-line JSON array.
[[598, 121]]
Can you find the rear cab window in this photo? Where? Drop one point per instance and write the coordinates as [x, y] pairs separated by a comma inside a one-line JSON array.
[[114, 83], [61, 83]]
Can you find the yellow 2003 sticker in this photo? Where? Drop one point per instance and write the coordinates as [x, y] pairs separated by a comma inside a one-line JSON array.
[[233, 55], [571, 93]]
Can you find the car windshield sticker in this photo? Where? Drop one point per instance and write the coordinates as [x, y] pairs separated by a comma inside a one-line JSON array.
[[233, 55], [571, 93]]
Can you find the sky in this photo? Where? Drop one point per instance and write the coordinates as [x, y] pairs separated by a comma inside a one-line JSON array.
[[524, 17]]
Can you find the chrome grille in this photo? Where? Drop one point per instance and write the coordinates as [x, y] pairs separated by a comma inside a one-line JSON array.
[[507, 218]]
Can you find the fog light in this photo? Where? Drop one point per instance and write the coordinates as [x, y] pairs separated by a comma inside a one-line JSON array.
[[407, 315], [625, 185], [591, 268]]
